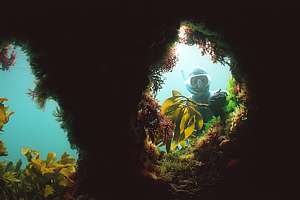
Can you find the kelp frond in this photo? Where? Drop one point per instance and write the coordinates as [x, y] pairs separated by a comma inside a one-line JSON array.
[[184, 114]]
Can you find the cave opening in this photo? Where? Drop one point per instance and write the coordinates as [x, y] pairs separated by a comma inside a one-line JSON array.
[[36, 158], [193, 110], [33, 123]]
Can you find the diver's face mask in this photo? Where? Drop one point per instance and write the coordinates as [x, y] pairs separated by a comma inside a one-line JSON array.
[[198, 83]]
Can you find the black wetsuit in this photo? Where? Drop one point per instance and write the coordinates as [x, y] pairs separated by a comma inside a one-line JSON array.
[[216, 104]]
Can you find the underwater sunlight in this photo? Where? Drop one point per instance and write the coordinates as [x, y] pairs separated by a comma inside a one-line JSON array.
[[192, 92], [189, 59], [196, 80], [29, 126]]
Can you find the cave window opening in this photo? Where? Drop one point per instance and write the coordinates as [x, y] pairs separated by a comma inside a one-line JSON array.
[[29, 126], [195, 89]]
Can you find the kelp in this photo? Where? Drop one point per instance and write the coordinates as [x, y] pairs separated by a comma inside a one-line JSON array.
[[39, 179], [211, 153], [4, 113], [10, 179], [52, 175], [184, 114]]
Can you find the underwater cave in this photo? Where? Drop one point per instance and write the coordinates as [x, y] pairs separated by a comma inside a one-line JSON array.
[[127, 91]]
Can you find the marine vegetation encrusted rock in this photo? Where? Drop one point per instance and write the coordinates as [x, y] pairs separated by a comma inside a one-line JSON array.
[[162, 66], [152, 122], [203, 164], [236, 107], [208, 42], [235, 118], [200, 166], [191, 170], [237, 94]]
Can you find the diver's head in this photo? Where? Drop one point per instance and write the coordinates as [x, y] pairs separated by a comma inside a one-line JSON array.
[[198, 82]]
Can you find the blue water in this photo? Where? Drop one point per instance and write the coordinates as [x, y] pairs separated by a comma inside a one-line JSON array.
[[189, 58], [29, 126]]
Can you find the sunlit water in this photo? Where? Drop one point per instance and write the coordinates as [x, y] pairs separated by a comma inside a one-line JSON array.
[[189, 58], [29, 126]]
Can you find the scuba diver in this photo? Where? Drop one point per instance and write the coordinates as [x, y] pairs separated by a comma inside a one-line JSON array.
[[198, 83]]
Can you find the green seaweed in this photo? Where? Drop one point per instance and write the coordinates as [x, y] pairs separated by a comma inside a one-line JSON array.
[[232, 101], [211, 123]]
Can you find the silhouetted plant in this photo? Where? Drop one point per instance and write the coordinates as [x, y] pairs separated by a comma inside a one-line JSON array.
[[165, 65], [209, 42], [149, 120]]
